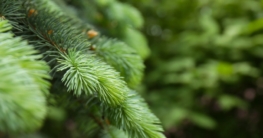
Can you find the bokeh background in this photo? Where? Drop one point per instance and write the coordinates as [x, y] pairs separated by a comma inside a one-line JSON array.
[[204, 74]]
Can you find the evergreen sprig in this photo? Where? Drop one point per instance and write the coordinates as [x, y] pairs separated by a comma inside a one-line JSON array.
[[84, 73]]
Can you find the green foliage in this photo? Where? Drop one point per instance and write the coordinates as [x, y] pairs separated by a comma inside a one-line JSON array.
[[136, 40], [23, 84], [205, 67], [124, 13]]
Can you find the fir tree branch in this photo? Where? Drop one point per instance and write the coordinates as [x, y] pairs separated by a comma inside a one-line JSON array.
[[58, 39]]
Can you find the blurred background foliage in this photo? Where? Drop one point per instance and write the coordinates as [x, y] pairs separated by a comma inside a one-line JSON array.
[[204, 75]]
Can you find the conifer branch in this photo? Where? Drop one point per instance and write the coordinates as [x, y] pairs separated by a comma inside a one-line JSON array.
[[62, 40]]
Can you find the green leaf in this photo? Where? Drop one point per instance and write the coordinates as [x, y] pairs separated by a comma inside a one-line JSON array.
[[228, 102], [136, 40], [203, 120], [125, 13]]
